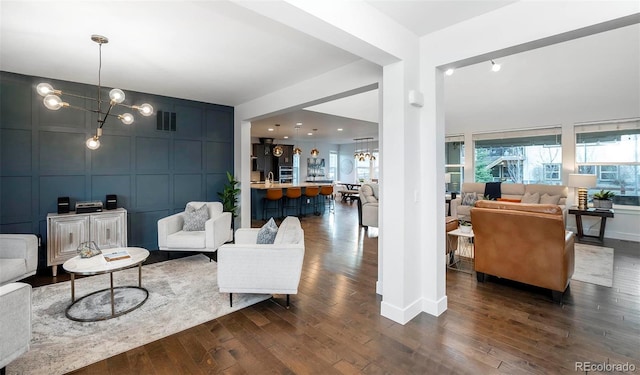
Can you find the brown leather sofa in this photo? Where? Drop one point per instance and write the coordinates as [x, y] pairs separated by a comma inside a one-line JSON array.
[[527, 243]]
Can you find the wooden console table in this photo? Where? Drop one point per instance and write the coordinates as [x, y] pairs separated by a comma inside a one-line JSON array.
[[602, 214]]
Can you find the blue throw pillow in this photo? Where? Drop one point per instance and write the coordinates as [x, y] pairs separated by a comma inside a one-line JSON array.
[[267, 234]]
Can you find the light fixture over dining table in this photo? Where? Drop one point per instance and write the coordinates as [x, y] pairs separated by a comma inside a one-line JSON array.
[[53, 101]]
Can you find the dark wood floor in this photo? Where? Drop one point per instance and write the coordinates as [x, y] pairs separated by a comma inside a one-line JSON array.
[[334, 324]]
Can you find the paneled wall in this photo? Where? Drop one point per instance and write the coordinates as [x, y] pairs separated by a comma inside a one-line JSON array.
[[153, 172]]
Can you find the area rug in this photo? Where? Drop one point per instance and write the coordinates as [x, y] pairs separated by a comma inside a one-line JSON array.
[[594, 264], [182, 293]]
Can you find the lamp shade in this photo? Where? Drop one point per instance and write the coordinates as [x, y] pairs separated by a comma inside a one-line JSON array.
[[447, 178], [582, 180]]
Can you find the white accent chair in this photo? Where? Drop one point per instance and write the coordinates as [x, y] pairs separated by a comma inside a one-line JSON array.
[[15, 322], [18, 257], [247, 267], [217, 230]]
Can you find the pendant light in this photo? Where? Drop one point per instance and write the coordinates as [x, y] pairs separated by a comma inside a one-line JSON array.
[[277, 150], [53, 100], [314, 151], [297, 150]]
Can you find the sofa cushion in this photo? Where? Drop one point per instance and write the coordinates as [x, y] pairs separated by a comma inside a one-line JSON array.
[[267, 234], [289, 231], [368, 194], [530, 198], [187, 240], [549, 199], [194, 218]]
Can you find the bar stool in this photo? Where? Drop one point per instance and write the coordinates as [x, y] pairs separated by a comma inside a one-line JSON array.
[[327, 192], [311, 193], [274, 196], [292, 200]]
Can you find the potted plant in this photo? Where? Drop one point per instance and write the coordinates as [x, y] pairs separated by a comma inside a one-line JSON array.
[[602, 199], [465, 226], [229, 197]]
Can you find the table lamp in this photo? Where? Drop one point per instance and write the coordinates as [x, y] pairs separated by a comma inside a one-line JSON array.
[[582, 182]]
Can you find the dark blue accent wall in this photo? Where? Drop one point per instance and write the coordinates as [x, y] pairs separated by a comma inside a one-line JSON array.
[[153, 172]]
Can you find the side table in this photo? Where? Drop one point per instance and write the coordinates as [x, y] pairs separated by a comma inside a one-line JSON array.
[[463, 257], [603, 214]]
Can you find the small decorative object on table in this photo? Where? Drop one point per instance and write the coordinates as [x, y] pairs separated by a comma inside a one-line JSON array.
[[88, 249], [464, 226], [602, 199]]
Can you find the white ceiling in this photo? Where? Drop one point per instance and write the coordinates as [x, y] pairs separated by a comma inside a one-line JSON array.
[[213, 51]]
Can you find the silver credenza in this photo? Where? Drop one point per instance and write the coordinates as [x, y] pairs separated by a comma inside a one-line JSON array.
[[65, 232]]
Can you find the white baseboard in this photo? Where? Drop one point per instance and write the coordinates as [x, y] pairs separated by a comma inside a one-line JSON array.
[[434, 308], [400, 315]]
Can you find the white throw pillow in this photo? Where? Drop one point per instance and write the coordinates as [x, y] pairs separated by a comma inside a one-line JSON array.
[[549, 199], [194, 219], [267, 234], [531, 198]]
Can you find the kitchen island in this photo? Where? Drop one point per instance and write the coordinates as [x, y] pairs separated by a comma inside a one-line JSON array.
[[259, 189]]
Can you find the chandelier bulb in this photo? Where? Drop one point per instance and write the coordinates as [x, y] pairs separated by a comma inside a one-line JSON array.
[[126, 118], [53, 102], [93, 143], [297, 151], [44, 89], [145, 109], [116, 96], [315, 152]]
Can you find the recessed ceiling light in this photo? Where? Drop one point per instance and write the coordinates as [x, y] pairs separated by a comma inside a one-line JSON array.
[[339, 129], [270, 129], [286, 137], [309, 133], [449, 72], [298, 124]]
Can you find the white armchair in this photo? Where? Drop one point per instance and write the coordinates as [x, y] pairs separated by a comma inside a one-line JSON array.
[[18, 257], [217, 230], [15, 321], [247, 267]]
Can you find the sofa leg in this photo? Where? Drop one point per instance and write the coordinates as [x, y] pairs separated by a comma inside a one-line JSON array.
[[288, 302], [481, 277], [557, 296], [2, 371], [231, 299]]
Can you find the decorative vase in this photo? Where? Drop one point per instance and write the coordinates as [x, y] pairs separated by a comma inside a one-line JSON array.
[[465, 228]]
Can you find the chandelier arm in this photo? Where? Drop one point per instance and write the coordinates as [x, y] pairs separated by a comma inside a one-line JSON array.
[[106, 115]]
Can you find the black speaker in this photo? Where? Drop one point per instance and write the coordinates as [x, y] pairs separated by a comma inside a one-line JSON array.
[[63, 205], [112, 201]]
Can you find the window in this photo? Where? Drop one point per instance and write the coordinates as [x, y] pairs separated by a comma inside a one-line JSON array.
[[454, 161], [333, 165], [528, 156], [612, 152], [552, 171]]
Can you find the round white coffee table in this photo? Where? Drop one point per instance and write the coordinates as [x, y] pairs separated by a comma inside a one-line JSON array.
[[90, 308]]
